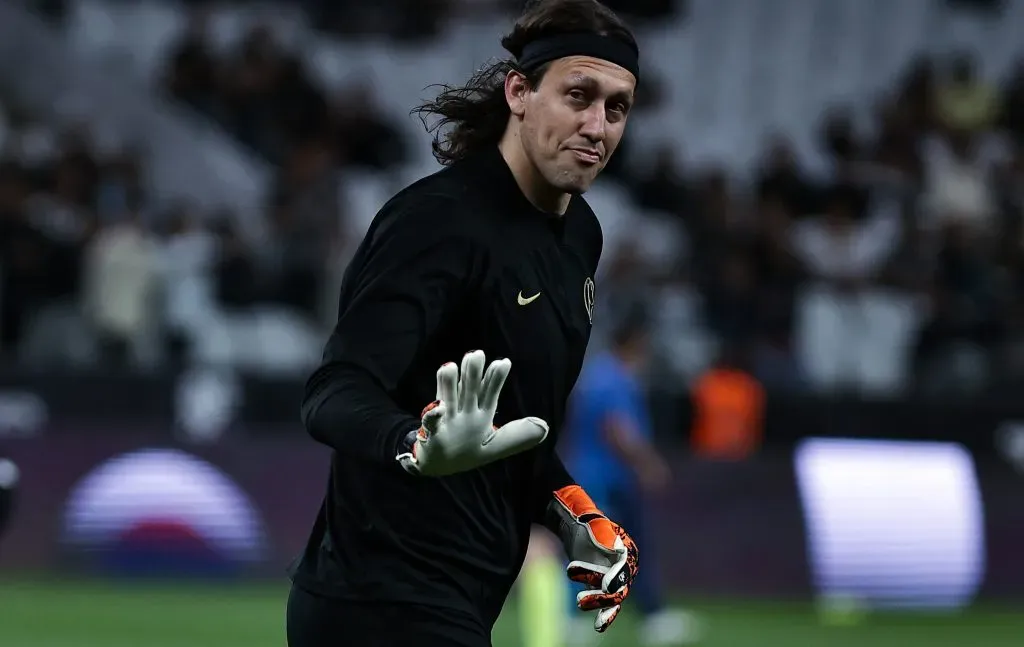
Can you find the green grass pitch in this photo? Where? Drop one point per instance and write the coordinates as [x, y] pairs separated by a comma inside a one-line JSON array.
[[94, 614]]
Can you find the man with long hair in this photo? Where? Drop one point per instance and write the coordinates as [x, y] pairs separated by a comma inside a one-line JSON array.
[[428, 511]]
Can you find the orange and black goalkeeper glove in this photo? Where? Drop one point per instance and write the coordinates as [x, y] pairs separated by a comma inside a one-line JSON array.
[[602, 556]]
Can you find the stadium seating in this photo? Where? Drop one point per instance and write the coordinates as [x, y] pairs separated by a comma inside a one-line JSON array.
[[734, 73]]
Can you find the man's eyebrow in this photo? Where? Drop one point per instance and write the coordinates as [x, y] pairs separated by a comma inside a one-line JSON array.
[[580, 79], [590, 83]]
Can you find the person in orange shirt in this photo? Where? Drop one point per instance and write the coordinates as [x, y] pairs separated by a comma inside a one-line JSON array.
[[728, 402]]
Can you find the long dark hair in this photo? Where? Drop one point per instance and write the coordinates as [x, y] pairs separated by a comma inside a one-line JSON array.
[[473, 116]]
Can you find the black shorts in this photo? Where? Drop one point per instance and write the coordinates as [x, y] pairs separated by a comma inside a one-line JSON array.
[[315, 621]]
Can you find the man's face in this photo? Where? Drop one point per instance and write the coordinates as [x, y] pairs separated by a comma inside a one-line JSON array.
[[573, 121]]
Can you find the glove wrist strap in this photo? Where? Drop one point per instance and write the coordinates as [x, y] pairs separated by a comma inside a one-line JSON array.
[[567, 514], [408, 443], [407, 452]]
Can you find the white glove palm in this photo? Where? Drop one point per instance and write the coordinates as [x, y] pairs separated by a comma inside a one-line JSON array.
[[458, 433]]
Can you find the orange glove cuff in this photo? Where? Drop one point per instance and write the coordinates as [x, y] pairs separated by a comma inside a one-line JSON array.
[[582, 507]]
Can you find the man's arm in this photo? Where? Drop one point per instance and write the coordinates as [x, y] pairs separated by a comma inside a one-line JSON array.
[[616, 413], [417, 266], [552, 476], [625, 440]]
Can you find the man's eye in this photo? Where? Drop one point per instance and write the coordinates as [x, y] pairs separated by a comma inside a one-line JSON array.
[[577, 95]]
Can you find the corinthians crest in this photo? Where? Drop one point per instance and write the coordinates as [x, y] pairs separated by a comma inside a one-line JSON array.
[[588, 298]]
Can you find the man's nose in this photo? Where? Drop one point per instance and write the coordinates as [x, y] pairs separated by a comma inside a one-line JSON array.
[[594, 123]]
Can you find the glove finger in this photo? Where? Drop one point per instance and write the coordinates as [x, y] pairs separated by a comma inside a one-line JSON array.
[[616, 577], [597, 599], [494, 379], [447, 384], [590, 575], [605, 618], [469, 382], [514, 437], [431, 420]]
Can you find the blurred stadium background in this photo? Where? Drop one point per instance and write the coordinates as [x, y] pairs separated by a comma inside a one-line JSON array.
[[829, 192]]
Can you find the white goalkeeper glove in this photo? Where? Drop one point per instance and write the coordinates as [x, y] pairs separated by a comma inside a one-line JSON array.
[[457, 431]]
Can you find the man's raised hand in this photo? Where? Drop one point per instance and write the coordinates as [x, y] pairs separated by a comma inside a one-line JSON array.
[[457, 431]]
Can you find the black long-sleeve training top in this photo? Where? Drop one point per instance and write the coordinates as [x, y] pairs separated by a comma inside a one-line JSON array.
[[458, 261]]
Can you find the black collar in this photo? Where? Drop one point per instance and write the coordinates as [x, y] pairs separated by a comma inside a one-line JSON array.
[[491, 168]]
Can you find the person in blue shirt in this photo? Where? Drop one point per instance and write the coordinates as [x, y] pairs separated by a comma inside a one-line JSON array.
[[608, 437], [608, 446]]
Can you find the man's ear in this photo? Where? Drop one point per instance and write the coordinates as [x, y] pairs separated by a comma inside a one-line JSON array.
[[516, 88]]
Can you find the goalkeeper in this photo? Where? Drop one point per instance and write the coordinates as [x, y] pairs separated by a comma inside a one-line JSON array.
[[443, 456]]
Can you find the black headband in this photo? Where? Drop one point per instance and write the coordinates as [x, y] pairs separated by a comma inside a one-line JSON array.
[[608, 48]]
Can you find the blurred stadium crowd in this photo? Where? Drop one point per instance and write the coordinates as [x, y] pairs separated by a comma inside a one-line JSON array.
[[880, 250]]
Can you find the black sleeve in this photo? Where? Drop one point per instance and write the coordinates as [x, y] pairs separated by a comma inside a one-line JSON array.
[[417, 265], [551, 477]]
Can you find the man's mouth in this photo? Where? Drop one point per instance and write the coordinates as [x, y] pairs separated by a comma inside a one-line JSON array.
[[587, 155]]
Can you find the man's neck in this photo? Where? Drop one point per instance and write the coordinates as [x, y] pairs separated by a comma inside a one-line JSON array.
[[540, 194]]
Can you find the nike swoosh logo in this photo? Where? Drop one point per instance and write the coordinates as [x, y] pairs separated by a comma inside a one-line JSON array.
[[523, 301]]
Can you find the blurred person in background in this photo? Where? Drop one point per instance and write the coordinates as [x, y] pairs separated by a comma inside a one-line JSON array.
[[958, 182], [306, 225], [964, 322], [963, 101], [731, 299], [23, 252], [252, 96], [294, 258], [261, 92], [9, 477], [840, 144], [665, 187], [191, 74], [609, 448], [365, 139], [728, 408], [54, 220], [1013, 104], [188, 254], [119, 187], [779, 276], [236, 271], [718, 222], [845, 250], [121, 278], [782, 177], [65, 209]]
